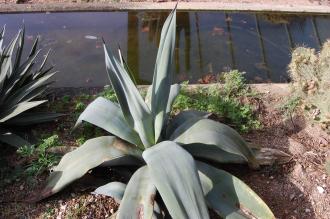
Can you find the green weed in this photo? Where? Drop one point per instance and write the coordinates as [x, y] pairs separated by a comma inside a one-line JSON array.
[[40, 159]]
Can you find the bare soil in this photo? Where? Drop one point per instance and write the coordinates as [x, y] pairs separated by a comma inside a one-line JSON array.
[[297, 189]]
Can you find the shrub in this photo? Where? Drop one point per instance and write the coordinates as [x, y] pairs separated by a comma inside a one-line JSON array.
[[310, 76]]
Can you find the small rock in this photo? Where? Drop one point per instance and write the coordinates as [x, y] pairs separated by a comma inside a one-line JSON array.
[[307, 210], [21, 187], [111, 211], [271, 177], [292, 197], [296, 147], [320, 189], [89, 37]]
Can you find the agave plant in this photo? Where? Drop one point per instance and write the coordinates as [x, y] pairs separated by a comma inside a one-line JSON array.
[[163, 149], [21, 82]]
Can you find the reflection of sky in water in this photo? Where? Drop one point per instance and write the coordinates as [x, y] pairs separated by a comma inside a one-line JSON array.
[[207, 42]]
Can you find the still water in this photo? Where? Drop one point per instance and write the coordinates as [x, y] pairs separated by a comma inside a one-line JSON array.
[[208, 43]]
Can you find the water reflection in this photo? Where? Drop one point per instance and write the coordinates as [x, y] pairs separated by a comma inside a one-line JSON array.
[[207, 42]]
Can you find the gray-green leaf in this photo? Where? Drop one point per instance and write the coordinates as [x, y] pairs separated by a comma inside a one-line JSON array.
[[77, 163], [135, 110], [209, 132], [230, 197], [139, 197], [174, 174], [115, 190], [162, 79], [108, 116]]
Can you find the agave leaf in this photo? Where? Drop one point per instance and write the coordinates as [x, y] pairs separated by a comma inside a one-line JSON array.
[[2, 33], [209, 132], [115, 190], [19, 76], [91, 154], [6, 63], [19, 50], [24, 91], [183, 117], [136, 112], [162, 79], [174, 174], [108, 116], [18, 109], [12, 139], [33, 118], [213, 153], [174, 92], [125, 65], [230, 197], [138, 200], [34, 47], [40, 71]]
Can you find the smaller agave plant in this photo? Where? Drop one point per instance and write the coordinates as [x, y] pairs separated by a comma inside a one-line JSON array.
[[171, 180], [21, 83]]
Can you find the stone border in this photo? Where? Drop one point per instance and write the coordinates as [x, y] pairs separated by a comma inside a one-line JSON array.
[[149, 6]]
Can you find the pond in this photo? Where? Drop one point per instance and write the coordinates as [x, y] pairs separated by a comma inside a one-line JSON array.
[[208, 43]]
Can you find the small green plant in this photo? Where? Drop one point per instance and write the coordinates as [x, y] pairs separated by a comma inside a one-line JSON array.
[[109, 94], [80, 106], [66, 99], [165, 150], [40, 160], [234, 84], [309, 72], [290, 106], [81, 140], [224, 103]]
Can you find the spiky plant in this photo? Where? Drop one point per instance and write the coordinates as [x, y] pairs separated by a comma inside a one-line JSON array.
[[163, 149], [21, 83], [311, 81]]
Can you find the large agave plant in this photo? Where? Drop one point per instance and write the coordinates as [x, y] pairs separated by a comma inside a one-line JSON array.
[[164, 149], [21, 82]]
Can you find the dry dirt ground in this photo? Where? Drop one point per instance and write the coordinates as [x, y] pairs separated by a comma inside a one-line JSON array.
[[294, 190]]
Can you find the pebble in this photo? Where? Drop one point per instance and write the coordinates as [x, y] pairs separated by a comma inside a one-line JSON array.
[[90, 37], [21, 187], [292, 197], [320, 189], [307, 210]]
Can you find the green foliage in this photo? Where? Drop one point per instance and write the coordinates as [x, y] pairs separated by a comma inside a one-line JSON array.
[[311, 82], [39, 159], [222, 103], [21, 83], [80, 106], [66, 99], [163, 148], [109, 94], [234, 84]]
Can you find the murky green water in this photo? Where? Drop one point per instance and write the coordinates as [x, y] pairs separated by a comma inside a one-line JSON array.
[[207, 42]]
